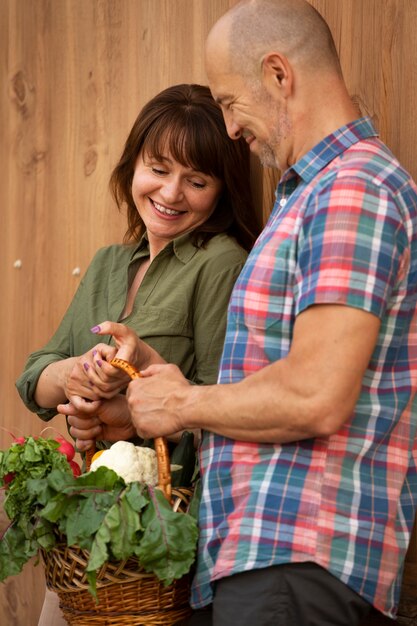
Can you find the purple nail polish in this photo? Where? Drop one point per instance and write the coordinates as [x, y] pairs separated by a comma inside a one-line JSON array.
[[86, 366], [94, 352], [99, 362], [95, 329]]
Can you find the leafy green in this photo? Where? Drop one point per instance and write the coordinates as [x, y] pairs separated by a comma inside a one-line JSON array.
[[34, 459], [97, 511], [168, 543]]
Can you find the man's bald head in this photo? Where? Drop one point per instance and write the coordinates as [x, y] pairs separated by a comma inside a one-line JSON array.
[[252, 28]]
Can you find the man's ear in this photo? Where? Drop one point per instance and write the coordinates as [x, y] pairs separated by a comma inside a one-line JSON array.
[[277, 74]]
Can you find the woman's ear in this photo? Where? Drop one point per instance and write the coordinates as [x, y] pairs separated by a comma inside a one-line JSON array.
[[277, 75]]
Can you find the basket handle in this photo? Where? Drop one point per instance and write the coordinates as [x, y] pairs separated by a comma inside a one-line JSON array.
[[161, 446]]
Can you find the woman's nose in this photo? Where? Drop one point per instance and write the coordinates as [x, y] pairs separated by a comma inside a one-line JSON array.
[[172, 190]]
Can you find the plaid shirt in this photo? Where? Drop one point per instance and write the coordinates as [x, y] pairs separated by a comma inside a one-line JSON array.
[[343, 230]]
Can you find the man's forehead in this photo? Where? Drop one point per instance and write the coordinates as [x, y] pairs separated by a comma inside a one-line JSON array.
[[224, 85], [221, 87]]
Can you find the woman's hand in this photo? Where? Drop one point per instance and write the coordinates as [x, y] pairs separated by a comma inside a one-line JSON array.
[[107, 420], [81, 379], [63, 379], [90, 375], [103, 380], [129, 346]]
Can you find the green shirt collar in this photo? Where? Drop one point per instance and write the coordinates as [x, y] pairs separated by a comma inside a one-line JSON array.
[[182, 246]]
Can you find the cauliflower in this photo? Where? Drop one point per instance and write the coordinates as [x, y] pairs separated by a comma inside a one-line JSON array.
[[130, 462]]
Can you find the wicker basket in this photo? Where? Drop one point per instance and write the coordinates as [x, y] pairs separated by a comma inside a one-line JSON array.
[[126, 593]]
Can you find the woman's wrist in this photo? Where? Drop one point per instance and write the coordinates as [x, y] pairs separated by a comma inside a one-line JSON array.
[[51, 387]]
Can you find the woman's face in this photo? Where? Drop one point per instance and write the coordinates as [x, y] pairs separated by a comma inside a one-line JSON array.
[[170, 198]]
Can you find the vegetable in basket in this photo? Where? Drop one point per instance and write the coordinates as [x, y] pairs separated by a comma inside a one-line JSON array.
[[184, 458], [98, 511], [130, 462]]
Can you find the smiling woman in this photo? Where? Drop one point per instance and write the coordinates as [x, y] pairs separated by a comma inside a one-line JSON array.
[[186, 189], [191, 222]]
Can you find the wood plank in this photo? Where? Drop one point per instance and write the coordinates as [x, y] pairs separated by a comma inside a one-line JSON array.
[[74, 75]]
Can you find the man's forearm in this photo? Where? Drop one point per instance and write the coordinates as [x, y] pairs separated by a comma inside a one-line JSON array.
[[309, 393], [258, 409]]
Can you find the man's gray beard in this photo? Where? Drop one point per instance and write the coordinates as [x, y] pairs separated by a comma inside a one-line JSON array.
[[267, 156], [268, 151]]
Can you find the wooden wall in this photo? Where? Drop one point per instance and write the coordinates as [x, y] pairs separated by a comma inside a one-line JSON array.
[[73, 75]]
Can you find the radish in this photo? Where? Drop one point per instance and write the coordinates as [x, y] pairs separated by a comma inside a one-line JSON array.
[[7, 478], [19, 440], [65, 447], [75, 468]]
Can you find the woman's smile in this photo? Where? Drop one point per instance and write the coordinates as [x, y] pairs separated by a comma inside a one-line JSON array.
[[166, 211]]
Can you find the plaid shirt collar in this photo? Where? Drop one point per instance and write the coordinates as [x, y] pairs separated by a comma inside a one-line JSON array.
[[329, 148]]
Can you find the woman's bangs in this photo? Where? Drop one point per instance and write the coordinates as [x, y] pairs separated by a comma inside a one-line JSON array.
[[187, 141]]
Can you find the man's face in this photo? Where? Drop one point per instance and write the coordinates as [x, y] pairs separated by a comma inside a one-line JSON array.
[[249, 110]]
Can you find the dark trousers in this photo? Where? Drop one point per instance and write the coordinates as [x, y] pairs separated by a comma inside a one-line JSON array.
[[294, 594]]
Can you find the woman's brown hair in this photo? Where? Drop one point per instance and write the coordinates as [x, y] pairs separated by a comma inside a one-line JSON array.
[[185, 121]]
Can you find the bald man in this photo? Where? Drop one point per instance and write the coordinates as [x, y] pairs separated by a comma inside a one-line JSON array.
[[308, 449]]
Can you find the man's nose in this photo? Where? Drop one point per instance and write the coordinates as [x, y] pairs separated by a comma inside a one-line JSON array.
[[233, 130]]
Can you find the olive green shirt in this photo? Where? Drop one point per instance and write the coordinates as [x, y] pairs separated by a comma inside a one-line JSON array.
[[180, 307]]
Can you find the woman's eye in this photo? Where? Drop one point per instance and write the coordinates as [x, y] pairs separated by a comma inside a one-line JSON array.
[[197, 184], [159, 171]]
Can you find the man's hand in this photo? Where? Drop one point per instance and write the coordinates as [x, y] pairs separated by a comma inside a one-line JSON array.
[[152, 401]]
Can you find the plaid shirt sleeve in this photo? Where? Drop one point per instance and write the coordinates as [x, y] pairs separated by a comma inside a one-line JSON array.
[[353, 247]]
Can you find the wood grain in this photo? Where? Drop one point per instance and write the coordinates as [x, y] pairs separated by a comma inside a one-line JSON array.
[[73, 77]]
